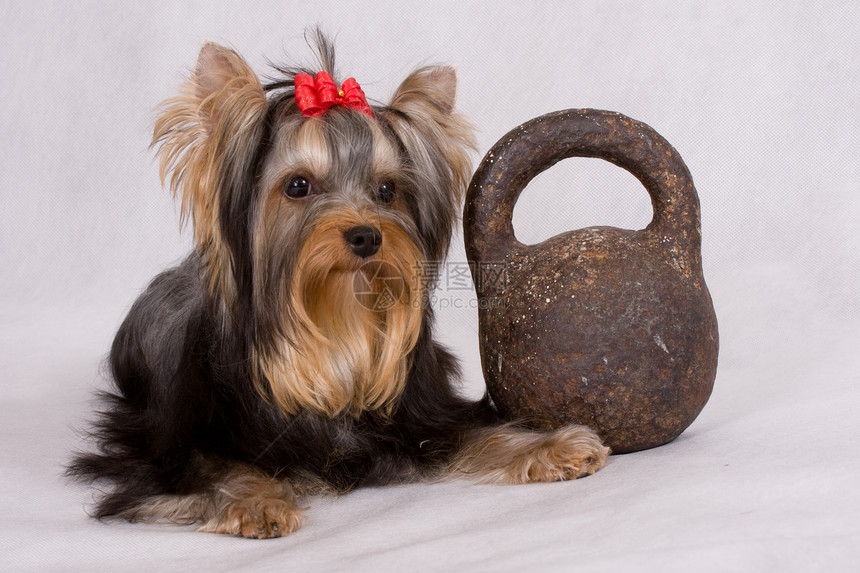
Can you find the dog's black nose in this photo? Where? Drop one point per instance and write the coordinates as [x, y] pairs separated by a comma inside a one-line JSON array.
[[363, 240]]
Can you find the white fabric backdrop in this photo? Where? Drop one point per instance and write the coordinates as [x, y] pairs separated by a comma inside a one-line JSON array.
[[761, 99]]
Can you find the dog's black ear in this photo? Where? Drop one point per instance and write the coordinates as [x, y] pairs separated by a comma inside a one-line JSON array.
[[205, 138]]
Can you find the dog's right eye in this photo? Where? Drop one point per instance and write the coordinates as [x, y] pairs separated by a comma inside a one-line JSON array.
[[297, 187]]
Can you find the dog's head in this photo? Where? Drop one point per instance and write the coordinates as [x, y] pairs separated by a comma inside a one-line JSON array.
[[321, 228]]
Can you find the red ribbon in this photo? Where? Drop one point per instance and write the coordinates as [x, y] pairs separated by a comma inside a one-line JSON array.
[[316, 95]]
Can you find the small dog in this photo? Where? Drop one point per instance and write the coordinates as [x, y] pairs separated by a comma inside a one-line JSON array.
[[291, 353]]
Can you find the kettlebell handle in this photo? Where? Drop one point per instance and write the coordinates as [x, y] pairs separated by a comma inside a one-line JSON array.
[[542, 142]]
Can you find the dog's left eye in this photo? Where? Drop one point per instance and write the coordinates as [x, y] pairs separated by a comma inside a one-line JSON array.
[[297, 187], [385, 192]]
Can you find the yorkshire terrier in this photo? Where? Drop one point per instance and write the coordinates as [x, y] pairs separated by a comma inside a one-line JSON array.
[[291, 353]]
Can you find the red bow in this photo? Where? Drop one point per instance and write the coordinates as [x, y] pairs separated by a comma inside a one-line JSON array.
[[315, 96]]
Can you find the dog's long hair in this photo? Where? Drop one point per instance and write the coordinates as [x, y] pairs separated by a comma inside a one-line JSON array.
[[295, 342], [256, 347]]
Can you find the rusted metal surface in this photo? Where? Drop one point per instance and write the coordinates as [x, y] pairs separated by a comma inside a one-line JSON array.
[[600, 326]]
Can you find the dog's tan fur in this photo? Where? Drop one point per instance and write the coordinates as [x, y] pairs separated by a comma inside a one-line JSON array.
[[213, 118], [243, 502], [337, 354], [510, 455]]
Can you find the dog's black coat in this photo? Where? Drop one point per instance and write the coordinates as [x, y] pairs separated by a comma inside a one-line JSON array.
[[185, 404]]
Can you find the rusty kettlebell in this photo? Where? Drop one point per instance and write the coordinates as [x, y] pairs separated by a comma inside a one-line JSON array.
[[600, 326]]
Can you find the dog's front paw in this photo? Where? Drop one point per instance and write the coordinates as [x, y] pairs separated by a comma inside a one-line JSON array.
[[256, 518], [508, 454], [567, 453]]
